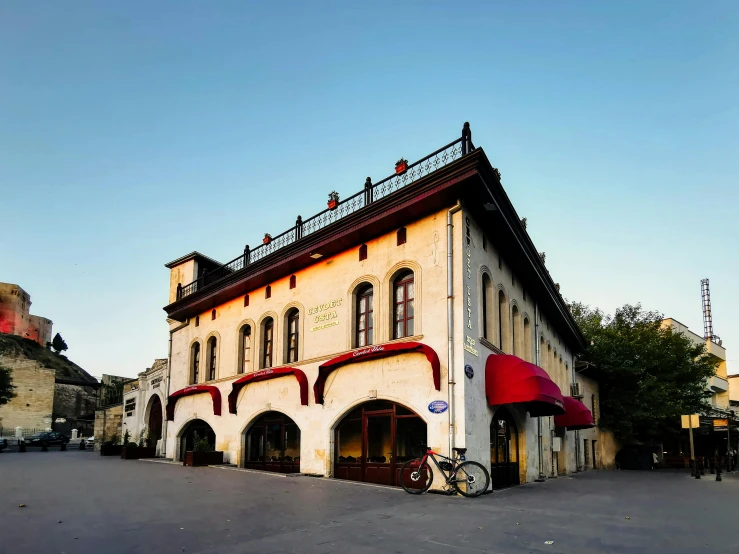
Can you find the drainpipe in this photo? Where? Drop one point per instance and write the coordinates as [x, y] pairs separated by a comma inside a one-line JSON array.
[[541, 477], [169, 373], [450, 318], [573, 378]]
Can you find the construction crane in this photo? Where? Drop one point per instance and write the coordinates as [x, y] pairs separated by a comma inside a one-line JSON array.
[[707, 318]]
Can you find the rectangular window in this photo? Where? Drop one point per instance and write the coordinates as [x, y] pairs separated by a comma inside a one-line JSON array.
[[403, 316], [212, 360], [365, 321], [292, 337], [401, 236], [363, 252], [246, 349], [267, 346]]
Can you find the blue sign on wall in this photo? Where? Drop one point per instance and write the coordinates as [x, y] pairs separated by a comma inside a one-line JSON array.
[[438, 407], [469, 372]]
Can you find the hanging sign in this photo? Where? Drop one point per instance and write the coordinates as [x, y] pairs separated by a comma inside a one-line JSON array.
[[438, 407], [720, 424], [469, 372]]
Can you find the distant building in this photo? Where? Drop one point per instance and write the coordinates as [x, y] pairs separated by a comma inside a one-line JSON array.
[[143, 403], [733, 390], [15, 316], [718, 385]]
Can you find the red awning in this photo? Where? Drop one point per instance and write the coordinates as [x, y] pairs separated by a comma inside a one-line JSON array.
[[265, 375], [511, 380], [215, 395], [372, 353], [576, 416]]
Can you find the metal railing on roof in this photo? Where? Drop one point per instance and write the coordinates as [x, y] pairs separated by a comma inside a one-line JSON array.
[[303, 228]]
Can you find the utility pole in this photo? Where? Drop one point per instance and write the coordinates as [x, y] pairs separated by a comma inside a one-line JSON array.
[[692, 448]]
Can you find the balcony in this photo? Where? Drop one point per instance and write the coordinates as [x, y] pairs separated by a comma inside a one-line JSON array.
[[718, 384], [372, 192]]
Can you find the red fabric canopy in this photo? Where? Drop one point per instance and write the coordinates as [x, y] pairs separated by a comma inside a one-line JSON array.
[[372, 353], [576, 416], [215, 394], [511, 380], [265, 375]]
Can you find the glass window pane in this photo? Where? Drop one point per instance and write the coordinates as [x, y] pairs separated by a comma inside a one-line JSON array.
[[379, 440], [349, 447], [410, 436], [360, 323], [369, 301], [409, 308], [410, 290], [292, 442], [369, 336], [399, 293], [273, 448], [255, 445], [361, 340], [399, 330], [409, 327], [399, 312]]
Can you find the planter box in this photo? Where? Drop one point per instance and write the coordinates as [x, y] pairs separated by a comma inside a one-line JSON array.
[[138, 452], [195, 459], [110, 450]]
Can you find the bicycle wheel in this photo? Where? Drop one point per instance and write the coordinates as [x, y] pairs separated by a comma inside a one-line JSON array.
[[471, 479], [416, 478]]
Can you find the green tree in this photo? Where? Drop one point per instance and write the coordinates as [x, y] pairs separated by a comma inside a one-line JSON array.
[[6, 386], [648, 375], [58, 344]]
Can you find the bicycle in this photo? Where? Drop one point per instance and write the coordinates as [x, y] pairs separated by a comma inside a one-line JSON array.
[[468, 478]]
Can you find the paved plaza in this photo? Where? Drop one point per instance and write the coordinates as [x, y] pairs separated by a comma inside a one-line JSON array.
[[79, 502]]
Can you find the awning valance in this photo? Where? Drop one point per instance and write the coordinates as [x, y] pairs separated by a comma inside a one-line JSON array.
[[265, 375], [372, 353], [576, 416], [511, 380], [215, 395]]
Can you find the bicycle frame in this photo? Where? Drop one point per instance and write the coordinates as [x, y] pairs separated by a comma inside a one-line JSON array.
[[448, 478]]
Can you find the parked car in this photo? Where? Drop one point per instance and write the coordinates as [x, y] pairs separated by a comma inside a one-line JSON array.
[[49, 438], [90, 441]]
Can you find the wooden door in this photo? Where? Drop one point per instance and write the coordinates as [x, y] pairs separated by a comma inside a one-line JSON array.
[[378, 449]]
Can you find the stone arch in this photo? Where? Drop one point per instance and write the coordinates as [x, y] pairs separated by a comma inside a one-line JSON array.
[[378, 317], [183, 437], [151, 426], [277, 455], [276, 350]]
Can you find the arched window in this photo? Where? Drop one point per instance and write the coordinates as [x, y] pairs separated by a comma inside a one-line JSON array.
[[548, 359], [293, 320], [267, 342], [526, 340], [503, 323], [212, 352], [245, 351], [403, 295], [516, 331], [487, 306], [195, 364], [365, 318]]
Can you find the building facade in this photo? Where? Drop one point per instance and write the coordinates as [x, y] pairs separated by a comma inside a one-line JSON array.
[[16, 318], [416, 312], [143, 404]]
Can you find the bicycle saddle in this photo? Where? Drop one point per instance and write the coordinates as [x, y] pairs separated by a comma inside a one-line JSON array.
[[460, 450]]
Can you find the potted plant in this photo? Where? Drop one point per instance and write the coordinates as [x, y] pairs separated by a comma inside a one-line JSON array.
[[267, 238], [134, 451], [202, 453], [333, 200], [111, 447], [401, 166]]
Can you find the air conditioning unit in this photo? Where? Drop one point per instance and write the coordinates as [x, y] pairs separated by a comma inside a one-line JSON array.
[[576, 390]]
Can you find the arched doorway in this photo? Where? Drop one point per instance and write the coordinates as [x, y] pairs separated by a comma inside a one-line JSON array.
[[154, 422], [272, 443], [187, 436], [503, 450], [374, 440]]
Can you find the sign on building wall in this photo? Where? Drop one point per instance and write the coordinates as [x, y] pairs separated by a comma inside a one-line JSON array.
[[156, 382], [324, 315], [438, 407]]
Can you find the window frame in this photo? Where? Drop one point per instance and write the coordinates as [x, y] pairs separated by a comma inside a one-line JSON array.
[[365, 291], [404, 279], [194, 363], [268, 338], [243, 361], [292, 351], [212, 351]]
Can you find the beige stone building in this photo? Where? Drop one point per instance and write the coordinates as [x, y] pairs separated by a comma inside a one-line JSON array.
[[417, 311], [16, 318], [718, 385], [143, 404]]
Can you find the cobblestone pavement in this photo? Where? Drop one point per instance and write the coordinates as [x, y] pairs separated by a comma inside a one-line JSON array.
[[80, 502]]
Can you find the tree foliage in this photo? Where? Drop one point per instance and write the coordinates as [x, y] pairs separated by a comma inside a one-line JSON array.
[[58, 344], [648, 375], [6, 386]]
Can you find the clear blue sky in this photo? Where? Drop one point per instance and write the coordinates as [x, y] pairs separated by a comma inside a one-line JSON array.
[[134, 132]]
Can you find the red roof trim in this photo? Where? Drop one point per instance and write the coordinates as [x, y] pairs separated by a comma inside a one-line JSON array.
[[576, 416], [265, 375], [372, 353], [215, 395], [511, 380]]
